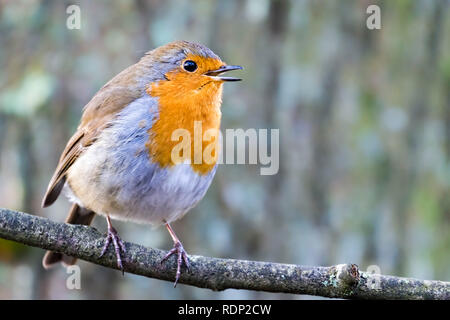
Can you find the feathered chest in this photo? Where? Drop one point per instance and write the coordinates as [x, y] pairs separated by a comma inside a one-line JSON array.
[[118, 176], [187, 126]]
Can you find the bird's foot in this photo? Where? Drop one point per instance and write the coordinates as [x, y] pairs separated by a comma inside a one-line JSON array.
[[181, 257], [118, 245]]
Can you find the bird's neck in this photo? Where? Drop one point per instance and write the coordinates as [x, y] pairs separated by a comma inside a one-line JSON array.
[[195, 112]]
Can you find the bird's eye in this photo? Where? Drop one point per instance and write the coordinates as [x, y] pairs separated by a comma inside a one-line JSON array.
[[190, 66]]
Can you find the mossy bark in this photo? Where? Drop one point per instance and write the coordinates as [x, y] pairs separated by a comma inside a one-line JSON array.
[[340, 281]]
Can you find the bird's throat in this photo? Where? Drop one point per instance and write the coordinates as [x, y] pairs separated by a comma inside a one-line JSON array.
[[188, 124]]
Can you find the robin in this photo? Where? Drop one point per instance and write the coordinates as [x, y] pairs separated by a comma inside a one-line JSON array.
[[120, 164]]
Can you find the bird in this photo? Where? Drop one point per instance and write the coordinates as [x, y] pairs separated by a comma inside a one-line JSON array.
[[120, 162]]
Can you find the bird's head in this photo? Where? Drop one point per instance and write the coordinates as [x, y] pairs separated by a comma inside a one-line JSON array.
[[188, 69]]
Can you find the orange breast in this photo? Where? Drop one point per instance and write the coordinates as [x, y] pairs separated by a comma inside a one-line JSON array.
[[183, 101]]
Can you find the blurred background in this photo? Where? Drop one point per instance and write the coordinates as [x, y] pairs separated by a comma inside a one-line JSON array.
[[364, 119]]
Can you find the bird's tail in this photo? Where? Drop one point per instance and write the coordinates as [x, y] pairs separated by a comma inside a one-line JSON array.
[[77, 215]]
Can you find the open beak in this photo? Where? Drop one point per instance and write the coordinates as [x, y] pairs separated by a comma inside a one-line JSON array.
[[214, 74]]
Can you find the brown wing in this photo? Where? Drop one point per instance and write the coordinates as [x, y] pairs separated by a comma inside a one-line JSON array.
[[97, 115], [72, 151]]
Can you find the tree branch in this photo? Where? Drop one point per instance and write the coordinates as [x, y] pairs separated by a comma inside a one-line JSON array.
[[340, 281]]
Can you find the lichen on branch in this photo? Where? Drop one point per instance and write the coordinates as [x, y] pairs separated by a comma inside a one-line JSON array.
[[340, 281]]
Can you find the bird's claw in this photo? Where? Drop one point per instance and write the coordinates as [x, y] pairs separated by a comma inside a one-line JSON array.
[[181, 257], [118, 246]]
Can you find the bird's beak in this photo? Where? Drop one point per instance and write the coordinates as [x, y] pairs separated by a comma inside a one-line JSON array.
[[214, 74]]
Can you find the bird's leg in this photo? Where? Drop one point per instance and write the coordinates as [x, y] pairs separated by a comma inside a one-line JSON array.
[[179, 250], [117, 242]]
